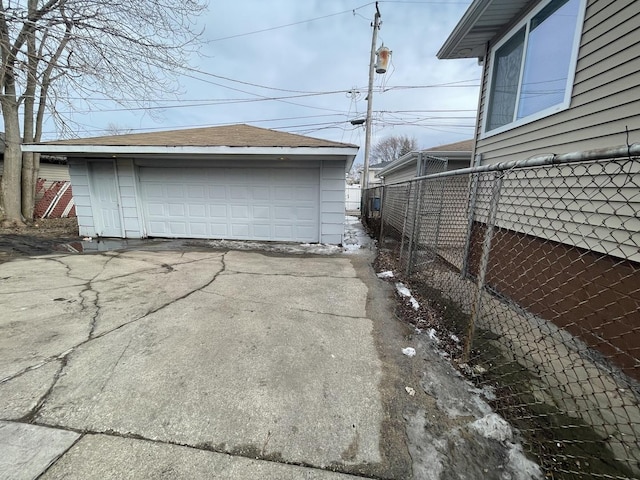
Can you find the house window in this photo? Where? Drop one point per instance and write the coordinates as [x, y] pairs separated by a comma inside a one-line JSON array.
[[533, 67]]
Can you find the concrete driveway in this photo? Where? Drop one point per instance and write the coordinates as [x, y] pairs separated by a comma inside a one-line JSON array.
[[224, 364], [192, 364]]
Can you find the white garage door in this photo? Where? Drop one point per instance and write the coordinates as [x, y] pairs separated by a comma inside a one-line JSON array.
[[231, 203]]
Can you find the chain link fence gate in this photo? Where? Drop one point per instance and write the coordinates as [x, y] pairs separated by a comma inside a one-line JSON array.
[[536, 266]]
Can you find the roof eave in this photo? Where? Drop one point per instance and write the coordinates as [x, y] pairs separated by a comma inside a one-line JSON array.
[[399, 163], [116, 150], [464, 26]]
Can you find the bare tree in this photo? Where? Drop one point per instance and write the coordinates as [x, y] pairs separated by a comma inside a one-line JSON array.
[[116, 129], [392, 147], [56, 51]]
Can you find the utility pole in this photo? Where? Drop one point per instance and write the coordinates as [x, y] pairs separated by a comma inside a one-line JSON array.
[[367, 140]]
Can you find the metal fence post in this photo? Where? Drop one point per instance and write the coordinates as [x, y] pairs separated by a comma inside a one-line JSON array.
[[406, 217], [484, 263], [413, 234], [471, 215], [382, 194]]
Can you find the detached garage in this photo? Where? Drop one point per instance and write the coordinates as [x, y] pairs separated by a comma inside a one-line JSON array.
[[232, 182]]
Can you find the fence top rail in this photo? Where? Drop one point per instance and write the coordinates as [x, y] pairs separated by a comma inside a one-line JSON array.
[[621, 151]]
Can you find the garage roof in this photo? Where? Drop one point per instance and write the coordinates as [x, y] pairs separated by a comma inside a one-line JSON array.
[[229, 136], [483, 20], [199, 142]]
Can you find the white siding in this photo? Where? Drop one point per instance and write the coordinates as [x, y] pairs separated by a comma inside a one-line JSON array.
[[79, 176], [332, 201], [129, 202]]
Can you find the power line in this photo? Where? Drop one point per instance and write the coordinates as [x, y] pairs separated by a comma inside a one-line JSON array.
[[291, 24]]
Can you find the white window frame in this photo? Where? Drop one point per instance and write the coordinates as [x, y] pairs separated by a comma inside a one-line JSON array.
[[525, 22]]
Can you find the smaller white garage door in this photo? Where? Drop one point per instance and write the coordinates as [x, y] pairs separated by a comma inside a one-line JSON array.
[[231, 203]]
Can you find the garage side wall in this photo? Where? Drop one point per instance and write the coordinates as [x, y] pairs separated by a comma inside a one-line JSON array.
[[332, 201], [129, 204], [79, 175]]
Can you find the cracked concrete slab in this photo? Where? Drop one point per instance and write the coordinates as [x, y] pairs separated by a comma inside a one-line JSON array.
[[28, 450], [53, 304], [335, 296], [101, 456], [21, 394], [247, 365], [235, 376], [309, 266]]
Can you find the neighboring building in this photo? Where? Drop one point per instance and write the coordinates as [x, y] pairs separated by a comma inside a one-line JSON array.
[[561, 76], [373, 172], [54, 198], [452, 193], [416, 164], [231, 182]]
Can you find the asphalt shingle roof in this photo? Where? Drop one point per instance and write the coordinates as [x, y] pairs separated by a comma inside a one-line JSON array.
[[463, 146], [240, 135]]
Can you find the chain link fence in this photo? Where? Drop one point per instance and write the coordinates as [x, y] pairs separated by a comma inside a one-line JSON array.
[[535, 266]]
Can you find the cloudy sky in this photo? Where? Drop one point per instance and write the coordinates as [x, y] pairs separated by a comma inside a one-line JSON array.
[[309, 54]]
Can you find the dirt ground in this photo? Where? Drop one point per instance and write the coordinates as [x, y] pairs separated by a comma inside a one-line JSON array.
[[37, 238]]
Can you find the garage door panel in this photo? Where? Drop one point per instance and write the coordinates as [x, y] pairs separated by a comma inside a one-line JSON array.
[[197, 211], [196, 191], [178, 228], [238, 192], [219, 230], [176, 210], [305, 233], [218, 211], [198, 229], [240, 230], [239, 212], [284, 231], [261, 212], [262, 231], [260, 193], [175, 191], [284, 193], [217, 192], [155, 209], [233, 203], [308, 194], [303, 213]]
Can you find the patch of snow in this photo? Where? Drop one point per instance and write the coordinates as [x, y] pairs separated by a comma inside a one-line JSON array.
[[493, 427], [409, 351], [350, 248], [454, 338], [432, 335], [405, 292], [387, 274], [522, 468]]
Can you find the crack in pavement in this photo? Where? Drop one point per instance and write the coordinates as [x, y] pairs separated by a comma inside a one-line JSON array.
[[107, 332], [30, 416], [236, 272], [207, 447], [260, 302]]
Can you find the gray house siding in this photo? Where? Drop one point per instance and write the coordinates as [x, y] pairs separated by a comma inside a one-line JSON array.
[[403, 174], [605, 102], [605, 98]]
